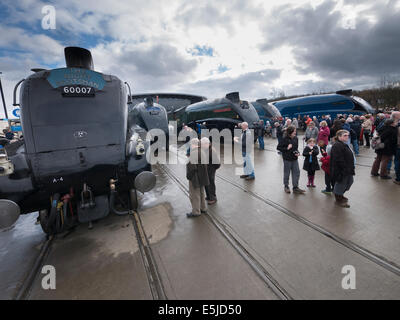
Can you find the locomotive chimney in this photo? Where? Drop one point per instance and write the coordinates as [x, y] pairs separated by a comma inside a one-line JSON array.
[[76, 57], [233, 96]]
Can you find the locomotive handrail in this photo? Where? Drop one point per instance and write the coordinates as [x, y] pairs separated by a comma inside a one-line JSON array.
[[15, 93], [130, 94]]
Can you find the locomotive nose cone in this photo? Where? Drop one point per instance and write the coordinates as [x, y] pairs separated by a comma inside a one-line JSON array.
[[9, 213]]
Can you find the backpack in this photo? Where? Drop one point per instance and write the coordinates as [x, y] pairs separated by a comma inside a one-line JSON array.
[[380, 125], [376, 142]]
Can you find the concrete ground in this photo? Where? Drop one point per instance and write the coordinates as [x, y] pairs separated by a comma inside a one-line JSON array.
[[303, 259], [102, 263], [19, 247], [195, 261], [372, 221]]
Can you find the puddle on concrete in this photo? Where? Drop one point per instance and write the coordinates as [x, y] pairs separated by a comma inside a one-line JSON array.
[[102, 277], [157, 222], [113, 235]]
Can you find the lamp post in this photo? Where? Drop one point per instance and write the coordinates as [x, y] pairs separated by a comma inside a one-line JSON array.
[[2, 97]]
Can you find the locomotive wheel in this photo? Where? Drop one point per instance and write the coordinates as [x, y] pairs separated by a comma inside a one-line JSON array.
[[44, 217]]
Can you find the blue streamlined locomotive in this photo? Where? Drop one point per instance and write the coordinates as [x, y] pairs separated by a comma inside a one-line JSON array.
[[341, 102], [265, 110]]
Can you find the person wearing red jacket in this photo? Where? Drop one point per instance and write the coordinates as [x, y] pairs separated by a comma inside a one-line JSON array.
[[325, 160]]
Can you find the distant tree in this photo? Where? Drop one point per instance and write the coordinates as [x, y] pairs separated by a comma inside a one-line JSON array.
[[277, 93]]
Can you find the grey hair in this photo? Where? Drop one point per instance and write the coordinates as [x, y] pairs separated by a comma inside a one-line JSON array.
[[205, 140]]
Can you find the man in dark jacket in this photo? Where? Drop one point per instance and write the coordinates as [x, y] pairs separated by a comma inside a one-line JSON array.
[[279, 131], [388, 135], [328, 121], [379, 121], [396, 117], [353, 135], [290, 153], [342, 167], [260, 132], [337, 125], [197, 174], [8, 134], [212, 166], [356, 126]]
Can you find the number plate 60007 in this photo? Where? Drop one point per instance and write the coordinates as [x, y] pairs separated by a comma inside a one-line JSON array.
[[77, 91]]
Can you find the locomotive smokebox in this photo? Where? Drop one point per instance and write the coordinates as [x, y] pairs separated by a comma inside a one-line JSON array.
[[76, 57]]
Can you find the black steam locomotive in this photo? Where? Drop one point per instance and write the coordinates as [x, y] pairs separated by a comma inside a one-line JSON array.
[[79, 155]]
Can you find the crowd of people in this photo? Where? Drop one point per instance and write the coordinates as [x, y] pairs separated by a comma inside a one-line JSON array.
[[7, 134], [337, 141]]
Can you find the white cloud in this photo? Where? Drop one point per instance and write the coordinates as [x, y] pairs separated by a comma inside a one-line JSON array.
[[148, 42], [36, 45]]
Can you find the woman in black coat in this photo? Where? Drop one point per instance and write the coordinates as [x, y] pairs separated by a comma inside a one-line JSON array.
[[388, 135], [311, 164], [342, 167]]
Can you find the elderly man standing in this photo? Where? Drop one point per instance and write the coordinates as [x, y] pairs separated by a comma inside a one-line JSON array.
[[316, 122], [246, 140], [288, 123], [197, 174], [295, 123]]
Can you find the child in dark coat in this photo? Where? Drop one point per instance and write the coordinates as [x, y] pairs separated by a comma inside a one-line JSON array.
[[310, 161], [328, 179]]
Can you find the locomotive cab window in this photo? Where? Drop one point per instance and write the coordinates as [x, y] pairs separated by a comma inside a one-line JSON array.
[[244, 105]]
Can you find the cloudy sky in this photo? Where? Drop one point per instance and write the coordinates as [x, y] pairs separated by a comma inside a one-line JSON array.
[[210, 48]]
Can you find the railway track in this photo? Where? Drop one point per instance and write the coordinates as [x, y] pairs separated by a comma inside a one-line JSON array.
[[244, 251], [25, 289], [388, 265], [383, 262], [150, 266]]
